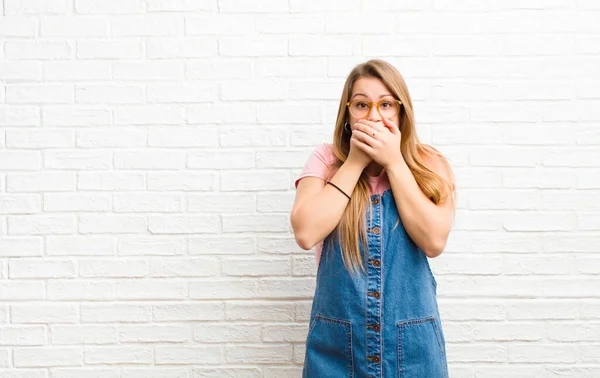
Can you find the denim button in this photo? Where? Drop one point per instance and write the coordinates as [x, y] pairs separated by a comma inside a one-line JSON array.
[[375, 262], [375, 201], [375, 294], [376, 230], [375, 359]]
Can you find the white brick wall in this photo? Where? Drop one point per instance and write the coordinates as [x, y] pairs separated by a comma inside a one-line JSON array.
[[148, 150]]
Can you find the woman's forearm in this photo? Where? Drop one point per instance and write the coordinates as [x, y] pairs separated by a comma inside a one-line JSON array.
[[426, 224], [318, 216]]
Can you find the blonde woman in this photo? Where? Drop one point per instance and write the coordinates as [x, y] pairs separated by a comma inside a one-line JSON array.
[[375, 204]]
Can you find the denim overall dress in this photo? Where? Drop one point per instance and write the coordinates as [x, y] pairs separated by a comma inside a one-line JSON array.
[[383, 323]]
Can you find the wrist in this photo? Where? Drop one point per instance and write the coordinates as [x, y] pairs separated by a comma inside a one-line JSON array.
[[397, 169], [355, 165]]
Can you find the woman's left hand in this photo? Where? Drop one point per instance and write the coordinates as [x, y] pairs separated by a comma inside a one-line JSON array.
[[384, 146]]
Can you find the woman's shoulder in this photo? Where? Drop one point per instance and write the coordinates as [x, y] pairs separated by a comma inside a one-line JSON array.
[[437, 162], [431, 155], [325, 148], [319, 163], [325, 152], [429, 149]]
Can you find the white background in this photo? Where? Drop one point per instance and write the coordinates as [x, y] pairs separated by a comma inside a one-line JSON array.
[[148, 150]]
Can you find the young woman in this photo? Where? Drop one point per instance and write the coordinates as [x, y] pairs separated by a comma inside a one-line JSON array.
[[376, 204]]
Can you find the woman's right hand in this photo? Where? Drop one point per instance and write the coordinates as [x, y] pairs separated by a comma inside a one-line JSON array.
[[356, 155]]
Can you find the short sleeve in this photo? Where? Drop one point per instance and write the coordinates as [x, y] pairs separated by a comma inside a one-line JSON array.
[[317, 164]]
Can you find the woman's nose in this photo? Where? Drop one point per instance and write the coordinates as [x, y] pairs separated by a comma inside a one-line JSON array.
[[374, 114]]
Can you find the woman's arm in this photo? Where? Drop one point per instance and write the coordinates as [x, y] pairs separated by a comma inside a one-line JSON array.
[[318, 207], [427, 224]]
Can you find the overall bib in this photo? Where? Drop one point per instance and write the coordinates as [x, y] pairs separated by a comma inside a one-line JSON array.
[[384, 323]]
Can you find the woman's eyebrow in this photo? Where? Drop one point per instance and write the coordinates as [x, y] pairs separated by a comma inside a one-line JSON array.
[[383, 95]]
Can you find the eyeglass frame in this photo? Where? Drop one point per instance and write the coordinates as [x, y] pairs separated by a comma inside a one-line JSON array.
[[370, 103]]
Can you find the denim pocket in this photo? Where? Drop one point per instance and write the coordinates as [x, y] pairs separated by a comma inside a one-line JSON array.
[[421, 351], [329, 348]]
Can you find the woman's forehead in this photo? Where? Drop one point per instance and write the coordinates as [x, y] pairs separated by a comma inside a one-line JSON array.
[[370, 87]]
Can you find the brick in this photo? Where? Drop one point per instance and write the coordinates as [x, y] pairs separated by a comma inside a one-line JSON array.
[[108, 6], [34, 7], [122, 48], [38, 50], [48, 356], [79, 27]]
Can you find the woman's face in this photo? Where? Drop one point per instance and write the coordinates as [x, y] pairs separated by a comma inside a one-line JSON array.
[[371, 89]]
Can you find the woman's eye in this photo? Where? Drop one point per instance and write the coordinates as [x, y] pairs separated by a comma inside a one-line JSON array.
[[386, 104], [361, 104]]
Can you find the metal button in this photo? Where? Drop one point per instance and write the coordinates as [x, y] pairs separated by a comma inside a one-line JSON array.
[[375, 201], [375, 262], [375, 359], [376, 230], [375, 327], [375, 294]]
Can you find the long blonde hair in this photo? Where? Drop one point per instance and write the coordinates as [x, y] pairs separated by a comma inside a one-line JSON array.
[[351, 230]]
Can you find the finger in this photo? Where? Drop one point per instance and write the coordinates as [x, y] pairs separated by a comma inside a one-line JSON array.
[[365, 147], [391, 126], [379, 126], [365, 136], [368, 130]]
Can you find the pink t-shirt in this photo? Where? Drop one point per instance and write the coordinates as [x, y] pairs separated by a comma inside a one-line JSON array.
[[316, 166]]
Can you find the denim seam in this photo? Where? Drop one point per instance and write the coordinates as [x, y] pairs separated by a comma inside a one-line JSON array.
[[439, 338], [404, 323], [399, 337], [432, 277], [351, 353], [380, 271], [442, 347], [333, 320]]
